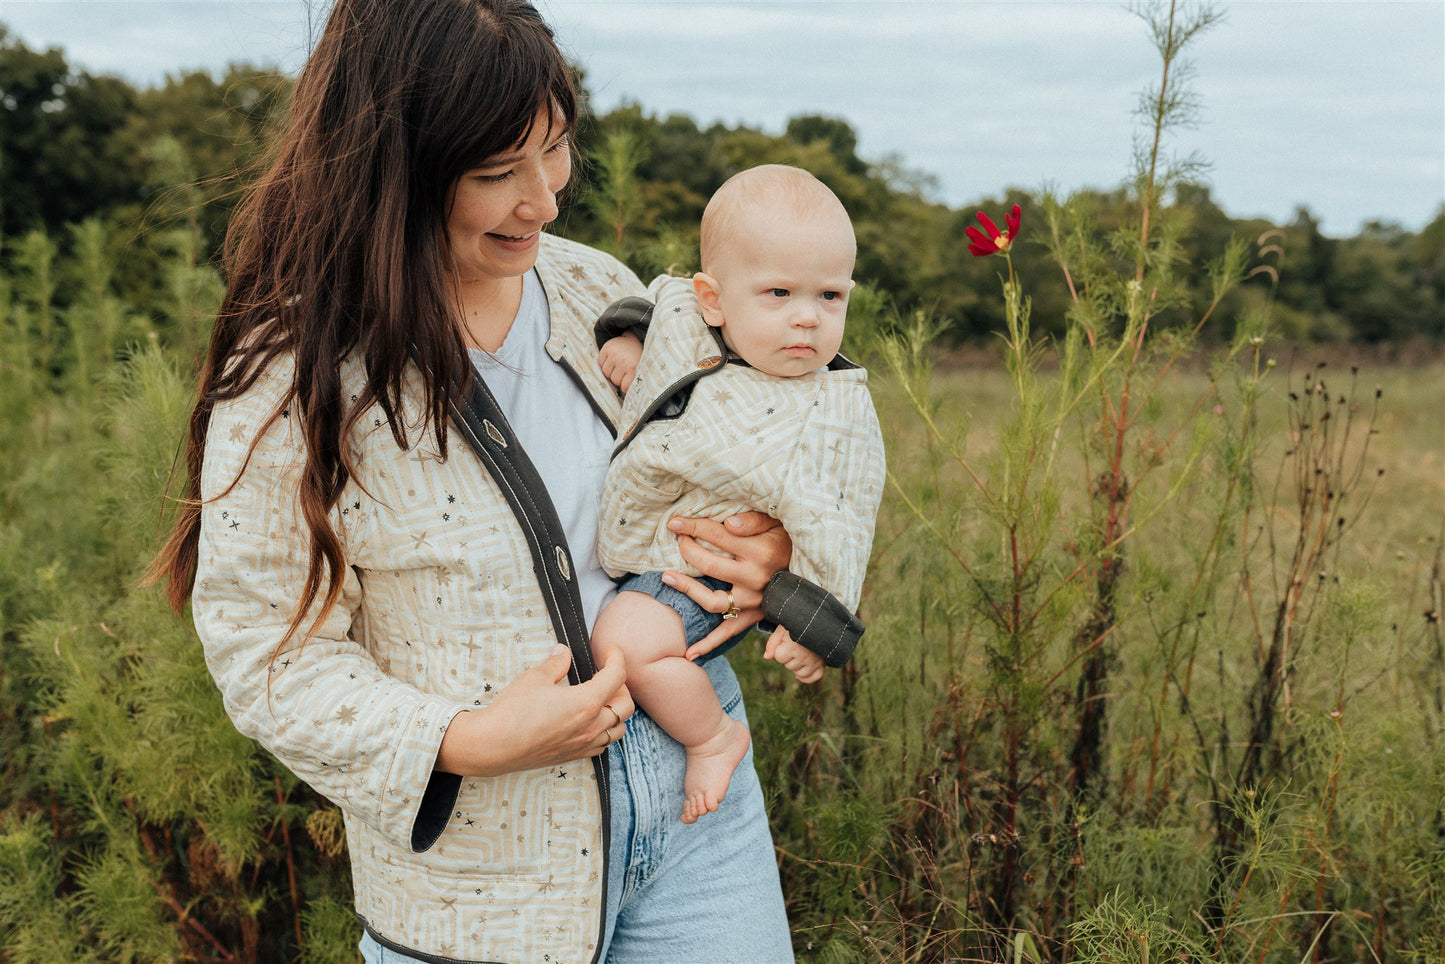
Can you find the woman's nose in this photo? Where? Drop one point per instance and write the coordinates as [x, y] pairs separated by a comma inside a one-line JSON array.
[[539, 203]]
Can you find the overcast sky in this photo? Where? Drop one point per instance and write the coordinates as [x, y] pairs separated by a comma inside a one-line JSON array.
[[1339, 106]]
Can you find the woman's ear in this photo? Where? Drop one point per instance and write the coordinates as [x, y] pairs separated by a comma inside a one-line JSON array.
[[706, 288]]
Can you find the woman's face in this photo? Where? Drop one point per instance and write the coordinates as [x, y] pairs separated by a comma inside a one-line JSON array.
[[499, 209]]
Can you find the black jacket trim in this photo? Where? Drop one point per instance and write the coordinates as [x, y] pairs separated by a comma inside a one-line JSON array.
[[812, 616], [632, 313]]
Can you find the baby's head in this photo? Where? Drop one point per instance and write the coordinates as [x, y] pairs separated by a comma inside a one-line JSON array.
[[777, 266]]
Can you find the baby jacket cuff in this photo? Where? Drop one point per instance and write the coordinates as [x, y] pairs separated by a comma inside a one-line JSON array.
[[812, 616]]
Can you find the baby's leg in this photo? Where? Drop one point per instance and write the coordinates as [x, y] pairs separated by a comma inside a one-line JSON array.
[[675, 692]]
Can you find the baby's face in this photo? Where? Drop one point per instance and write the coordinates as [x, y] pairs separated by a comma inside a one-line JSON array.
[[783, 288]]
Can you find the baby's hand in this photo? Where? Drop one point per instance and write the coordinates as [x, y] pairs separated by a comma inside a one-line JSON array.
[[805, 664], [618, 359]]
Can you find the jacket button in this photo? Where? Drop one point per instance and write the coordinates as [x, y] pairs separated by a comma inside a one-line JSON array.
[[563, 566], [711, 361]]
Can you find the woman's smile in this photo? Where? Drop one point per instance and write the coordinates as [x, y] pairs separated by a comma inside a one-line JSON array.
[[520, 186]]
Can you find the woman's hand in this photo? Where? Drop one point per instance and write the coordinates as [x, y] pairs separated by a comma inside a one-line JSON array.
[[756, 547], [538, 721]]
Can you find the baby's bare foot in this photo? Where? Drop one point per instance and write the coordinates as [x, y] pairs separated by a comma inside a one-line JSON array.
[[710, 767]]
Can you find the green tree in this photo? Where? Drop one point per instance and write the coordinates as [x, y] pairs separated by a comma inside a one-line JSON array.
[[58, 159]]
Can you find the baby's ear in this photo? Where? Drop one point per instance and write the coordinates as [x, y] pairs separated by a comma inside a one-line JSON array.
[[706, 288]]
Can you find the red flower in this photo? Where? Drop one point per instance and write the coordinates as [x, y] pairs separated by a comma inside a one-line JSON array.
[[996, 242]]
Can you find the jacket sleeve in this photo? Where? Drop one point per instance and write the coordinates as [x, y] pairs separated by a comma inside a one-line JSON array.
[[324, 708], [828, 501]]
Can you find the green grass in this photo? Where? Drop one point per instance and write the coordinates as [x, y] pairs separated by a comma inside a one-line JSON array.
[[895, 783]]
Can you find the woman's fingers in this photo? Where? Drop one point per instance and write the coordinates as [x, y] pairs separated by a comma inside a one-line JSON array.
[[713, 600], [607, 690], [758, 535], [720, 635], [718, 601], [540, 721], [746, 561], [751, 523]]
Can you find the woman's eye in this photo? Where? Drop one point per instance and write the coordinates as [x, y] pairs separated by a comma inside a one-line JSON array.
[[494, 178]]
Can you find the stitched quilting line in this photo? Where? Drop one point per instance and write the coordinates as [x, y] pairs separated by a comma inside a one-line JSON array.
[[837, 639]]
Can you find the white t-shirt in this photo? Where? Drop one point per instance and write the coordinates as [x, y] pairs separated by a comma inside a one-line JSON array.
[[562, 435]]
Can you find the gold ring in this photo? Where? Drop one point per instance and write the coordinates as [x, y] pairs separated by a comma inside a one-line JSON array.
[[732, 611], [616, 717]]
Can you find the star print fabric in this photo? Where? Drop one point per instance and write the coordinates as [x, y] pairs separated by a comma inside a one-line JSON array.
[[806, 450], [439, 611]]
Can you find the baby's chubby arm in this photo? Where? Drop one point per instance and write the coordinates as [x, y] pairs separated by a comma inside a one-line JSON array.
[[618, 359]]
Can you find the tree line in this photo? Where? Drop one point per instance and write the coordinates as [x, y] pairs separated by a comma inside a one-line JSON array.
[[76, 145]]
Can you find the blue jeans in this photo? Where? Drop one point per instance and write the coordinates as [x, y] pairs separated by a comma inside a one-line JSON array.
[[704, 892]]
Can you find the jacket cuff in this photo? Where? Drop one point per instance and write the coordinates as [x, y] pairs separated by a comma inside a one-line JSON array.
[[435, 810], [812, 616], [632, 314]]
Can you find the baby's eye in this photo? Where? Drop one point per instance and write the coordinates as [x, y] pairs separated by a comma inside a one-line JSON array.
[[831, 295], [778, 292]]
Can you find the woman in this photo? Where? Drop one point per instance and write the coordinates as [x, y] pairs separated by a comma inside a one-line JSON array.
[[391, 557]]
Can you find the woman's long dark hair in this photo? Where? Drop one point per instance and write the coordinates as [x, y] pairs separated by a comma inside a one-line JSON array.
[[339, 249]]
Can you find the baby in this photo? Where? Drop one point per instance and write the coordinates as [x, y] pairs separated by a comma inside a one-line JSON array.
[[739, 400]]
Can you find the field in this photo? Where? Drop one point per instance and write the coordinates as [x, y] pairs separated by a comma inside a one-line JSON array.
[[1154, 671], [1263, 777], [1213, 734]]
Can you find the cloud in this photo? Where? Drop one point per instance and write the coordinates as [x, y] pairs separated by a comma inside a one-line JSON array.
[[1337, 105]]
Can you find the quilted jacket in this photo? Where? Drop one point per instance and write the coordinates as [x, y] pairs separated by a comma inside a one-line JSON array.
[[805, 450], [442, 608]]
